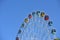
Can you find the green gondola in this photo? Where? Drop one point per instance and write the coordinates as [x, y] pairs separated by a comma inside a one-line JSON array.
[[19, 31], [33, 13], [22, 25], [50, 23], [53, 31], [38, 13]]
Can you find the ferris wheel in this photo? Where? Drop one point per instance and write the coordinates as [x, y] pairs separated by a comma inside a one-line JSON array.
[[37, 26]]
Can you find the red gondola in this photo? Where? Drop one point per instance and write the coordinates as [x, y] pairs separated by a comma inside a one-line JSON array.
[[30, 16], [17, 38], [46, 17]]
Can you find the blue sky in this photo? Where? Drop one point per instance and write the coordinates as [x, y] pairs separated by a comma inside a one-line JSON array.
[[13, 12]]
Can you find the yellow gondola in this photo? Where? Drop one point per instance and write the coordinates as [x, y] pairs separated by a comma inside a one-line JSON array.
[[26, 20], [42, 14]]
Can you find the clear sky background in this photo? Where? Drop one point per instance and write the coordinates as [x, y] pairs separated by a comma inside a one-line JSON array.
[[13, 12]]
